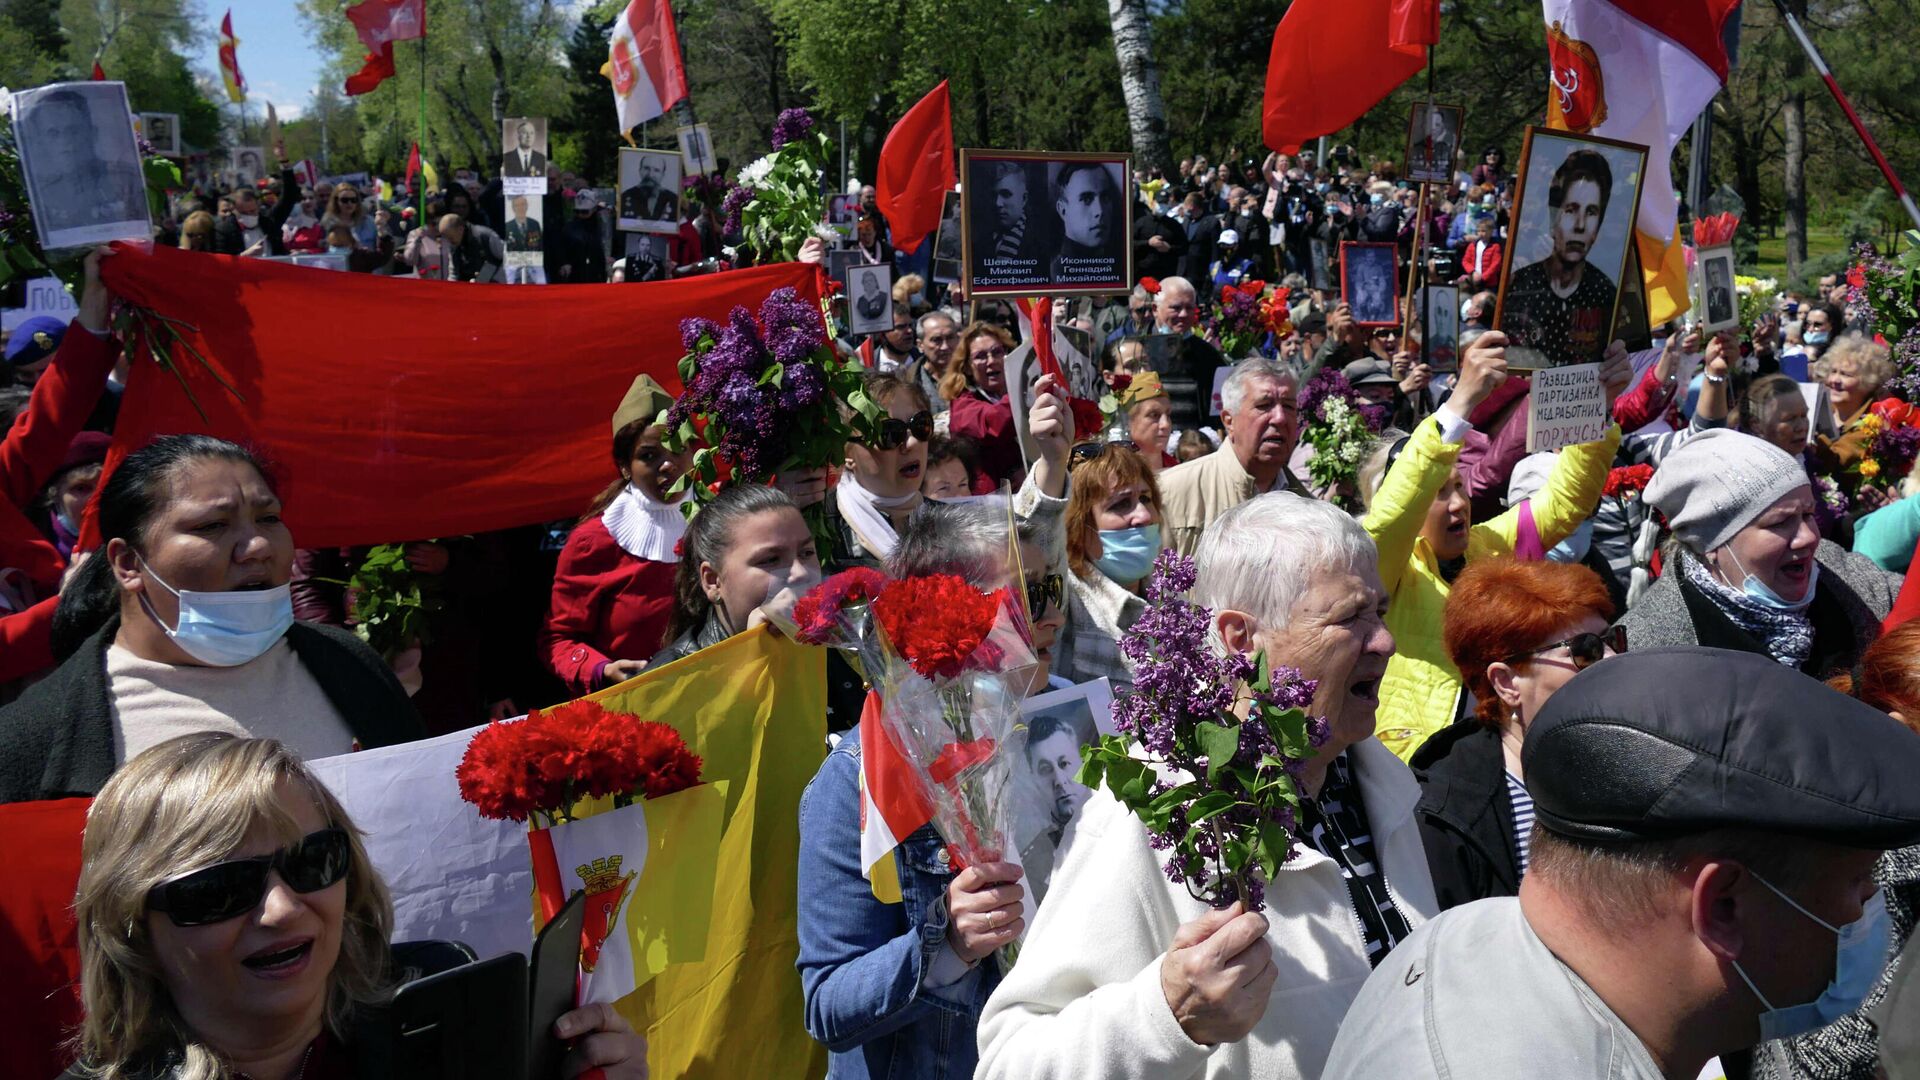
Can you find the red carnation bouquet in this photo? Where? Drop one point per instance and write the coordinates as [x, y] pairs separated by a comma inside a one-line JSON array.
[[538, 767], [1627, 481]]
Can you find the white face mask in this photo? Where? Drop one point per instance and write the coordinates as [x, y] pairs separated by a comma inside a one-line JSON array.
[[225, 629], [250, 221]]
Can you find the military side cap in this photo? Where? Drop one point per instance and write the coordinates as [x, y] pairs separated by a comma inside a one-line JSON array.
[[644, 401], [1663, 743]]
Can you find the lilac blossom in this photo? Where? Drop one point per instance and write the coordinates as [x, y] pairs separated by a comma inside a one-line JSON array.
[[792, 126]]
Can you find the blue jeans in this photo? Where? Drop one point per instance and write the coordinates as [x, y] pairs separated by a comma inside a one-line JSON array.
[[862, 961]]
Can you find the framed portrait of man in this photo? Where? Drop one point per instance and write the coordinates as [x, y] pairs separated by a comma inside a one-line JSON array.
[[1440, 326], [523, 155], [1045, 224], [869, 299], [1370, 283], [249, 165], [162, 132], [696, 149], [80, 164], [1433, 137], [1573, 217], [524, 231], [1714, 296], [946, 241], [649, 191], [1048, 795]]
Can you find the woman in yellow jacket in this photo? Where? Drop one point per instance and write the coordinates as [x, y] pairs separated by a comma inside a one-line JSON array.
[[1420, 519]]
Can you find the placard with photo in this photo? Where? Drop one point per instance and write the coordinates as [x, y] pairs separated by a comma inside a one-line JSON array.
[[1630, 325], [523, 155], [1433, 136], [843, 212], [1049, 795], [249, 165], [696, 149], [162, 132], [524, 231], [1440, 327], [839, 261], [1046, 224], [1714, 296], [947, 248], [649, 191], [1573, 218], [1370, 282], [869, 299], [81, 164]]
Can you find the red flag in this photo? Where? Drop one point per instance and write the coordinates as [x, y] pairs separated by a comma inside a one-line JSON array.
[[379, 22], [413, 165], [99, 73], [39, 941], [377, 69], [916, 169], [230, 61], [1333, 60], [402, 440]]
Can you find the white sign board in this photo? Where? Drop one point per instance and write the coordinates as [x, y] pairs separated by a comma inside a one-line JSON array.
[[45, 296], [1567, 406]]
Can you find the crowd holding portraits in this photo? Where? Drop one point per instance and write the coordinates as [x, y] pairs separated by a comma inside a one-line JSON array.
[[1046, 224], [1573, 225]]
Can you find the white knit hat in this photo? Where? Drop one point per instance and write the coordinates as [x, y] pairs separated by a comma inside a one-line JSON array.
[[1718, 482]]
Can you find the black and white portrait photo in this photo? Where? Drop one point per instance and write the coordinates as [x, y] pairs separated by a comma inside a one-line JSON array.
[[1433, 135], [1440, 326], [1045, 224], [946, 242], [1572, 226], [249, 165], [649, 191], [1370, 283], [696, 149], [1058, 724], [523, 234], [1713, 288], [523, 155], [81, 164], [162, 132], [843, 211], [869, 299]]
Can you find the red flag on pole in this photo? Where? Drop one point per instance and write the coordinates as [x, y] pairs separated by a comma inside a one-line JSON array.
[[1332, 60], [644, 64], [380, 23], [377, 69], [99, 73], [413, 165], [916, 169], [230, 61]]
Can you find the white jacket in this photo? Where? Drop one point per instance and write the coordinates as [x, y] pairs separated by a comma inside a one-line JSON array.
[[1084, 1002]]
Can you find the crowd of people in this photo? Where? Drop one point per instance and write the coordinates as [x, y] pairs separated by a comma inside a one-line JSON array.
[[1621, 738]]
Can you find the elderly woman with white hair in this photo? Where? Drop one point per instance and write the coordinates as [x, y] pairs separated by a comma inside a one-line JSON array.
[[1853, 371], [1746, 568], [1125, 974]]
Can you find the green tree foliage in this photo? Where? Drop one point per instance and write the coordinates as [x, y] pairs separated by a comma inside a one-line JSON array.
[[143, 43], [31, 42]]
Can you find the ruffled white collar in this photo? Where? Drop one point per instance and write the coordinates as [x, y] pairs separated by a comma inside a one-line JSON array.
[[643, 526]]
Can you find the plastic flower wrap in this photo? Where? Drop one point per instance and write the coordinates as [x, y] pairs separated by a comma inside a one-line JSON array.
[[763, 396], [1340, 427], [784, 201], [1210, 750]]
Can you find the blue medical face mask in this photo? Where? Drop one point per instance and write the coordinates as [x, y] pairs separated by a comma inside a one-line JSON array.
[[1126, 555], [226, 629], [1860, 953], [1761, 593], [332, 250], [1574, 548], [1816, 338]]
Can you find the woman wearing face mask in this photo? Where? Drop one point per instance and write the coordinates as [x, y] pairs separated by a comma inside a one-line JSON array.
[[230, 924], [745, 550], [1852, 372], [1517, 631], [72, 486], [1420, 517], [895, 988], [1113, 536], [613, 591], [977, 387], [1746, 568], [183, 621]]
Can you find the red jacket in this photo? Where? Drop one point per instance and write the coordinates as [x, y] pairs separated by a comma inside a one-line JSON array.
[[606, 606], [62, 400], [1481, 265], [990, 425]]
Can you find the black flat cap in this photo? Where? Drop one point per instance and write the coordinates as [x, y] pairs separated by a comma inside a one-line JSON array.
[[1661, 743]]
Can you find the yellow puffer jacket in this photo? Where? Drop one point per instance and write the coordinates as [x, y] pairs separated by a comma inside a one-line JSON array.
[[1421, 691]]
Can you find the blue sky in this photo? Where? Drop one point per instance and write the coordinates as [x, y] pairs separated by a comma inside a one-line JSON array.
[[279, 60]]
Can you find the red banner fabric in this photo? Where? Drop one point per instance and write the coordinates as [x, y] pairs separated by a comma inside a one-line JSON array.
[[39, 942], [377, 69], [1333, 60], [916, 169], [396, 410]]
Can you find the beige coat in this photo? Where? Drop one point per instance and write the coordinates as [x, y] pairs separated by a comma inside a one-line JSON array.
[[1195, 492]]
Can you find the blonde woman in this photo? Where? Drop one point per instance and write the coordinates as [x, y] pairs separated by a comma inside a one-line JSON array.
[[347, 206], [231, 924], [196, 233]]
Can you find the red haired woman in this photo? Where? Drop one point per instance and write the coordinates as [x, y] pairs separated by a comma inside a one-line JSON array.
[[1517, 632]]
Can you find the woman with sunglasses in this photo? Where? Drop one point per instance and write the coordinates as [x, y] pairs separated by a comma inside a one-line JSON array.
[[1517, 631], [347, 206], [183, 621], [1746, 567], [1113, 537], [976, 385], [230, 924]]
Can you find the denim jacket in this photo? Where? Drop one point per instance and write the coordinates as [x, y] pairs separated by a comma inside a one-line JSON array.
[[861, 961]]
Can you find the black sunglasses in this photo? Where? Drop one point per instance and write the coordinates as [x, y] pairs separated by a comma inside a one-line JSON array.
[[1585, 650], [226, 890], [1087, 451], [349, 200], [893, 433], [1047, 590]]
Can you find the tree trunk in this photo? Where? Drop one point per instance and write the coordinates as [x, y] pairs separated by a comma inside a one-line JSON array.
[[1140, 82], [1794, 119]]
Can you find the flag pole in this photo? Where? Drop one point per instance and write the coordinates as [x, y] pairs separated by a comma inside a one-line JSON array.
[[420, 194]]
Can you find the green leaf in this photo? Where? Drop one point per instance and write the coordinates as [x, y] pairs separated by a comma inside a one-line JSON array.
[[1271, 850], [1210, 805], [1219, 743]]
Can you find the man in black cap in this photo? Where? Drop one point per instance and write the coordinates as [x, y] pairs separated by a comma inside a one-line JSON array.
[[1707, 823]]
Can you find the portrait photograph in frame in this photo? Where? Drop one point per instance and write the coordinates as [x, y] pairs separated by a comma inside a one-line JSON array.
[[1716, 302], [80, 164], [1433, 137], [869, 298], [1046, 223], [649, 184], [1370, 282]]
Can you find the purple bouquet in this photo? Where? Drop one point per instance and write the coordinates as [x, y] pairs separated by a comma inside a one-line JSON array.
[[792, 126], [1210, 750]]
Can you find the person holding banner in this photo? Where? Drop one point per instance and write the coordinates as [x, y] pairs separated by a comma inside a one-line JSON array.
[[183, 621], [1419, 515], [230, 922]]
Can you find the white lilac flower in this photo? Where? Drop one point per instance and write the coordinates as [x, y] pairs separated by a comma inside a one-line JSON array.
[[756, 173]]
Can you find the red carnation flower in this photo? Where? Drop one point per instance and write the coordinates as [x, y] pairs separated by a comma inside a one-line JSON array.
[[1857, 277], [1087, 417], [499, 777], [1151, 284], [818, 613], [666, 765], [937, 622], [1627, 480]]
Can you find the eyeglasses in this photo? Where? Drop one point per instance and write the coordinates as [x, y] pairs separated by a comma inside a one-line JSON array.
[[1585, 650], [350, 200], [1045, 591], [893, 433], [230, 889], [1088, 451], [995, 353]]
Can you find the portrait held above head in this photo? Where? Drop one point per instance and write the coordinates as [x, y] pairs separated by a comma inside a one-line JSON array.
[[525, 155], [81, 165], [649, 190], [1037, 223]]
